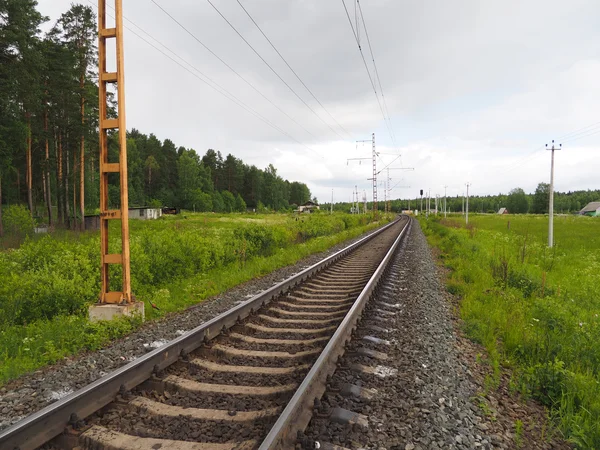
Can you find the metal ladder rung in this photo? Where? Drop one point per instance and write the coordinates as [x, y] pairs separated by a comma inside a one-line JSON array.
[[108, 33], [113, 297], [109, 124], [109, 77], [111, 214], [115, 258], [111, 168]]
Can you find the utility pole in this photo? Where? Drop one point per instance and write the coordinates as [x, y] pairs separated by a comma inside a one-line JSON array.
[[445, 204], [374, 179], [551, 202], [331, 202], [429, 201], [122, 296], [388, 192], [467, 216], [421, 200], [390, 187]]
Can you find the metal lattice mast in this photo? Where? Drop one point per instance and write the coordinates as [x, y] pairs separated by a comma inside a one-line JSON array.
[[374, 178], [107, 167], [384, 196], [388, 192], [388, 201]]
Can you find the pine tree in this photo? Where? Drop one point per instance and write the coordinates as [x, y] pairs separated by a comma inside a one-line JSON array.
[[77, 29]]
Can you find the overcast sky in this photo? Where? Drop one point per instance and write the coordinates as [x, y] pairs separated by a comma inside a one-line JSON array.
[[474, 89]]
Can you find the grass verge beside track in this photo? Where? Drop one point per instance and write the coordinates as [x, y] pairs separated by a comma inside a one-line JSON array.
[[535, 309], [236, 249]]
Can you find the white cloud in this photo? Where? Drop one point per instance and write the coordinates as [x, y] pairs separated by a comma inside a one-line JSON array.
[[473, 88]]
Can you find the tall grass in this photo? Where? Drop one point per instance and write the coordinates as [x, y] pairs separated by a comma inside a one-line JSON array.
[[48, 283], [535, 309]]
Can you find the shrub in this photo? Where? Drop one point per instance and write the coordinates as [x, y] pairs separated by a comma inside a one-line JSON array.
[[17, 220]]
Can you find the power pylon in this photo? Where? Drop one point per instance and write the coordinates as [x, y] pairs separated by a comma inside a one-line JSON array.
[[123, 296], [374, 179], [389, 189]]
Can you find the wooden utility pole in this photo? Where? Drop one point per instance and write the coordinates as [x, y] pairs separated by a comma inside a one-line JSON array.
[[106, 167], [467, 212], [551, 199], [445, 208]]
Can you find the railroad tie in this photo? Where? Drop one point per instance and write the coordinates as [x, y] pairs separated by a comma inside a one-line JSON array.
[[163, 409], [101, 437], [216, 367], [183, 384]]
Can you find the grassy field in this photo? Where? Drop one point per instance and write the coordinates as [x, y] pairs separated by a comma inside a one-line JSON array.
[[177, 261], [535, 309]]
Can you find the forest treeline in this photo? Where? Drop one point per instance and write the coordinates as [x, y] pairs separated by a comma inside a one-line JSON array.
[[516, 201], [49, 134]]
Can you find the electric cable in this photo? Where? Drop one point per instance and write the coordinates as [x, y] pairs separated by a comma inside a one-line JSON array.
[[229, 67], [368, 72], [293, 71], [271, 68], [221, 90]]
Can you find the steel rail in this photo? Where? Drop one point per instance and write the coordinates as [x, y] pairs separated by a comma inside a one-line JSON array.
[[298, 412], [42, 426]]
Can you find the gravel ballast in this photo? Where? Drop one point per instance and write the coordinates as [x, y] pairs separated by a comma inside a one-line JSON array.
[[34, 391], [428, 392]]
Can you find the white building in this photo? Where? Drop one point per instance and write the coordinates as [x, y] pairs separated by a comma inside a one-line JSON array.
[[145, 213]]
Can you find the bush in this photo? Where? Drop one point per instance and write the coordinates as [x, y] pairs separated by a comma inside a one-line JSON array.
[[17, 221], [50, 276]]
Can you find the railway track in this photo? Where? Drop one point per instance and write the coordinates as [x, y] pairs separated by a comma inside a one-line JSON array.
[[244, 380]]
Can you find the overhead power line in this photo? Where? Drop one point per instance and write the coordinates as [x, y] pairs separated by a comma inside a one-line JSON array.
[[575, 138], [580, 133], [376, 70], [215, 86], [271, 68], [569, 135], [289, 67], [354, 32], [231, 68]]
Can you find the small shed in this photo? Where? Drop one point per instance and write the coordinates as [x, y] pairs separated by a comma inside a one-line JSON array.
[[41, 229], [308, 207], [170, 210], [592, 209], [92, 222], [145, 213], [503, 211]]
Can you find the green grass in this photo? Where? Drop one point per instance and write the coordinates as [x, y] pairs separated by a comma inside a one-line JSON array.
[[535, 309], [176, 262]]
